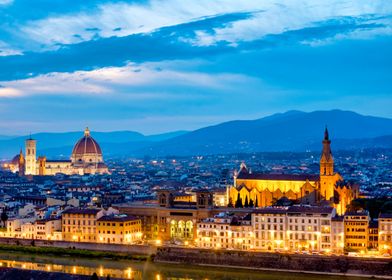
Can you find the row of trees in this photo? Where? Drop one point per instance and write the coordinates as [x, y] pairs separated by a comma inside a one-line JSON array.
[[373, 205], [249, 203], [4, 216]]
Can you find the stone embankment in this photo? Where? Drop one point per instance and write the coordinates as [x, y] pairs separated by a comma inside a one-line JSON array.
[[339, 265], [146, 250]]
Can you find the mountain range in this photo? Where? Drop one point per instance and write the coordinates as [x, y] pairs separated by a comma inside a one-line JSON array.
[[290, 131]]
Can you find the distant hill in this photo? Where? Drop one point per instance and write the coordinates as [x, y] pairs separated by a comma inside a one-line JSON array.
[[290, 131], [61, 144]]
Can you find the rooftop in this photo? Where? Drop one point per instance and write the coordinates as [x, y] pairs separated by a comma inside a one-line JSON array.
[[278, 177], [89, 211], [118, 218]]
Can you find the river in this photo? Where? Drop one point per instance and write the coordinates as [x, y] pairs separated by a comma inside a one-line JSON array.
[[145, 270]]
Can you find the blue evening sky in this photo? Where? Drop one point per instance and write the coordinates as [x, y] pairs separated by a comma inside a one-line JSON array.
[[156, 66]]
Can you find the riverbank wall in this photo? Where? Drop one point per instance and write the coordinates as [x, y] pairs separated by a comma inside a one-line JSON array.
[[339, 265], [146, 250]]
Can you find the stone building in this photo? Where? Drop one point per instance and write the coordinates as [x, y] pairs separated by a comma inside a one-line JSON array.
[[385, 233], [264, 189], [86, 158], [356, 231], [169, 218]]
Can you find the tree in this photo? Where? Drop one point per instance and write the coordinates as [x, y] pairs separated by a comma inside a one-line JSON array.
[[4, 216], [251, 203], [257, 202], [356, 205], [386, 207], [246, 205], [238, 203], [230, 203]]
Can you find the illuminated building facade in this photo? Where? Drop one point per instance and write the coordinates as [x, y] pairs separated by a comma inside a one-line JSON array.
[[119, 229], [226, 232], [264, 189], [356, 231], [373, 236], [86, 158], [45, 229], [270, 228], [294, 228], [385, 233], [80, 225], [337, 237], [170, 218]]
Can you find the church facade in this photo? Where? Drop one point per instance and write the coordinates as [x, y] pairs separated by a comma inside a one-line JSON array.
[[327, 187], [86, 158]]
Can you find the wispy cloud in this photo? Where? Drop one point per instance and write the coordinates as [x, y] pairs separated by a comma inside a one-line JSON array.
[[184, 41], [6, 2], [121, 19], [120, 80]]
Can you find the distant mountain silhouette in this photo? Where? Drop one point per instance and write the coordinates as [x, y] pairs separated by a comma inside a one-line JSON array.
[[61, 144], [290, 131]]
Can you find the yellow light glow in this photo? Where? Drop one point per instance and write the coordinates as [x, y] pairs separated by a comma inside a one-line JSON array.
[[129, 273], [158, 242]]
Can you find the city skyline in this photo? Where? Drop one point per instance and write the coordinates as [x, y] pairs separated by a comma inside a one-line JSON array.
[[156, 66]]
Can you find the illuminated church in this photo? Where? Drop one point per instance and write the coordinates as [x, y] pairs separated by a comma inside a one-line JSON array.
[[86, 158], [327, 187]]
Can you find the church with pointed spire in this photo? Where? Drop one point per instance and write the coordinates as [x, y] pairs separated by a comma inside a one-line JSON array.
[[325, 188], [86, 158]]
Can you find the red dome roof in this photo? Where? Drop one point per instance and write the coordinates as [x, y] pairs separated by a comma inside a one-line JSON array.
[[86, 145]]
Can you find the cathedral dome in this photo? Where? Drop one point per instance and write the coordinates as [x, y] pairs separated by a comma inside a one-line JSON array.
[[87, 149]]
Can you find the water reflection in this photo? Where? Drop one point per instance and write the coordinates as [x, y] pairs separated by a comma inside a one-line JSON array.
[[144, 270], [127, 273]]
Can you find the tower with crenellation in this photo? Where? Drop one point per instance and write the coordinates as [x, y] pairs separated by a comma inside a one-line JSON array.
[[31, 157]]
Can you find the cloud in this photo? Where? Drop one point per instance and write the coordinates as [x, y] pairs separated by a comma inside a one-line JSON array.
[[6, 2], [6, 50], [124, 19], [117, 80], [184, 41], [7, 92]]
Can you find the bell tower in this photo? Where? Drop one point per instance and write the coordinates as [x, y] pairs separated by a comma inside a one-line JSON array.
[[31, 157], [328, 177], [326, 160]]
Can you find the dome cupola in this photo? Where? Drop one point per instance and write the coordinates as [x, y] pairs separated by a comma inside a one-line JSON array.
[[86, 150]]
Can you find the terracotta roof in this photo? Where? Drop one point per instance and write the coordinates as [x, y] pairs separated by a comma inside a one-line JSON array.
[[86, 145], [271, 210], [356, 214], [310, 209], [279, 177], [385, 215], [89, 211], [117, 218]]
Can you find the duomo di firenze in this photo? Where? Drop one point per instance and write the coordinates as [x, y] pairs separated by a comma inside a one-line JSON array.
[[86, 158]]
